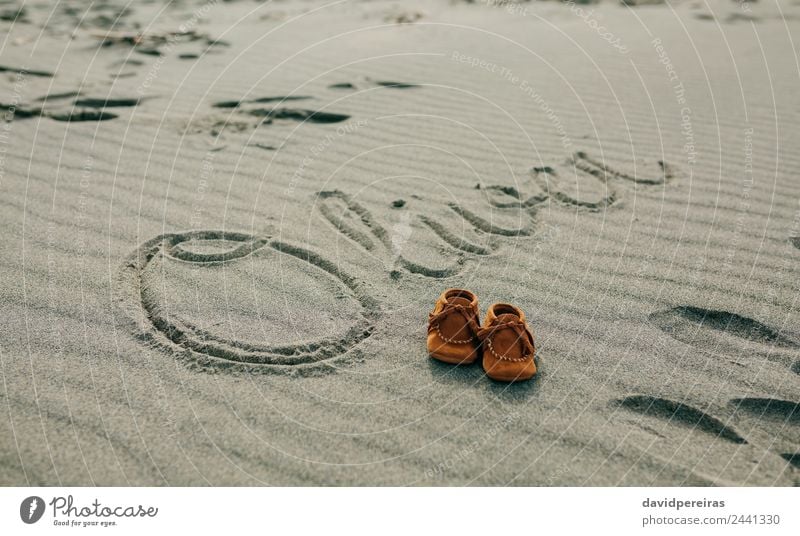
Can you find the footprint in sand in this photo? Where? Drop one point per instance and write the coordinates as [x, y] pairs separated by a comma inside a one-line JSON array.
[[25, 72], [371, 83], [106, 103], [219, 300], [251, 113], [770, 422], [188, 44], [81, 109], [278, 110], [259, 100], [770, 408], [714, 332], [773, 422], [680, 414], [776, 421]]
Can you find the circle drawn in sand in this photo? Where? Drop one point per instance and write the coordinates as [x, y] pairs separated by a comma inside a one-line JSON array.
[[204, 254]]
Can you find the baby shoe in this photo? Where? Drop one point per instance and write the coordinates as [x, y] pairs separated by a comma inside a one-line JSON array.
[[453, 328], [508, 347]]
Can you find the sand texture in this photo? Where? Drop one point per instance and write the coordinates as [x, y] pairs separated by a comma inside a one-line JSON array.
[[224, 225]]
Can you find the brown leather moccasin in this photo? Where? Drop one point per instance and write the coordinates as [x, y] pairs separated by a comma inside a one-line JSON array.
[[508, 347], [453, 328]]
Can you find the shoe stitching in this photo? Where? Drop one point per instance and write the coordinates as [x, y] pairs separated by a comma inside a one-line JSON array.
[[435, 319], [486, 333]]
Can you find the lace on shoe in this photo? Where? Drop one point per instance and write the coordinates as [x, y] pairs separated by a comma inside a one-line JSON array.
[[524, 336], [467, 311]]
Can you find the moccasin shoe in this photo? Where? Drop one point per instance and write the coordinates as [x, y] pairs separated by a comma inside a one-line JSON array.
[[453, 328], [508, 347]]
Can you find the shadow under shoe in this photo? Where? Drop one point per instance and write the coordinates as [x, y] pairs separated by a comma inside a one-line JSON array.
[[508, 347], [453, 328]]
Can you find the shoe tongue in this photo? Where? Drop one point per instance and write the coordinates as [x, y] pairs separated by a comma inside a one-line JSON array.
[[507, 317], [459, 301]]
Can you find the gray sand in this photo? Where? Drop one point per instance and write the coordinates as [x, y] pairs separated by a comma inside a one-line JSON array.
[[220, 245]]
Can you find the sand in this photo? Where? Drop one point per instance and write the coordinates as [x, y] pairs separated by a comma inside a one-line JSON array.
[[224, 225]]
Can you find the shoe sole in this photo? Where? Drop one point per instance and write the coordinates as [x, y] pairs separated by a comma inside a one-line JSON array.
[[454, 360], [508, 379]]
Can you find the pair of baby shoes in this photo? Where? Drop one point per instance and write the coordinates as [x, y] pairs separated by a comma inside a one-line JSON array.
[[504, 343]]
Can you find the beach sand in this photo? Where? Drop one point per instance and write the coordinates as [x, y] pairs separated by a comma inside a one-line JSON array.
[[225, 223]]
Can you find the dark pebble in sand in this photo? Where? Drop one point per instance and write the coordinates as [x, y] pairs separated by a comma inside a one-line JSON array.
[[398, 203]]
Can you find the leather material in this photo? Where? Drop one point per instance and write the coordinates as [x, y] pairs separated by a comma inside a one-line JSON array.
[[453, 327], [509, 350]]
